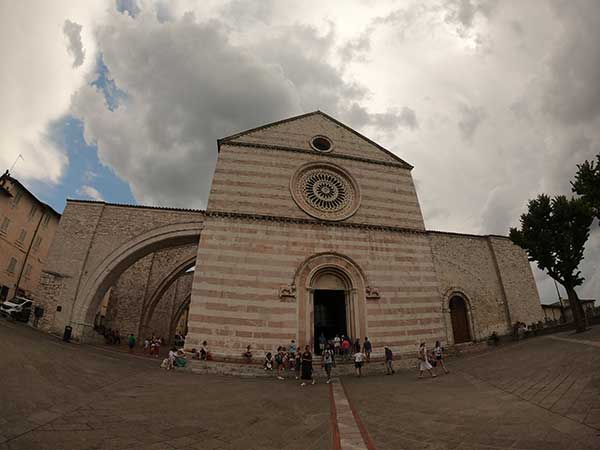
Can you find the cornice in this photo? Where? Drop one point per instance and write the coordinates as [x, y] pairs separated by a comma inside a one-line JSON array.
[[324, 155]]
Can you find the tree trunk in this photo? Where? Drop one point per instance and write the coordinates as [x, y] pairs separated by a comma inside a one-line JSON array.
[[576, 309]]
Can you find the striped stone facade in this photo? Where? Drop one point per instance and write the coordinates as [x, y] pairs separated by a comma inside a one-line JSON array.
[[260, 255]]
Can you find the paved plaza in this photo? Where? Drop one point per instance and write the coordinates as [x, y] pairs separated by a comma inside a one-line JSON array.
[[542, 393]]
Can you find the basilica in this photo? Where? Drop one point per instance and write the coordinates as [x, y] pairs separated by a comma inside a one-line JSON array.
[[311, 228]]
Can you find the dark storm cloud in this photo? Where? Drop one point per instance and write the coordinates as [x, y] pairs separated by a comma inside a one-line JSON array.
[[573, 94], [72, 32]]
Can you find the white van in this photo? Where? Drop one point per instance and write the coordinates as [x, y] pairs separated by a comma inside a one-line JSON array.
[[18, 307]]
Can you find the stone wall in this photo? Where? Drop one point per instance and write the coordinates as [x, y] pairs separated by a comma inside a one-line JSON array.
[[256, 180], [243, 264], [96, 242], [518, 280], [492, 274]]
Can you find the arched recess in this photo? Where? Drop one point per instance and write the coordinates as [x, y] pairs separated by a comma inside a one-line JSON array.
[[90, 294], [164, 285], [306, 279], [455, 297], [178, 313]]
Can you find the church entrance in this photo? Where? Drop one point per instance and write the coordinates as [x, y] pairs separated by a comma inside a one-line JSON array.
[[329, 315], [460, 320]]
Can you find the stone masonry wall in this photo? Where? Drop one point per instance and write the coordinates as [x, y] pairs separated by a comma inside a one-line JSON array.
[[243, 263], [518, 280], [87, 234], [465, 264]]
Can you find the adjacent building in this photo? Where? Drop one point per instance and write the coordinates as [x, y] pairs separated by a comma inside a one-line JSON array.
[[27, 227]]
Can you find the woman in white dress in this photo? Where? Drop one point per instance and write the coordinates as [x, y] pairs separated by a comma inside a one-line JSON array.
[[424, 364]]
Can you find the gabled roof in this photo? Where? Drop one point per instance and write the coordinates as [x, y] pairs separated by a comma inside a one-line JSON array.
[[302, 116], [7, 176]]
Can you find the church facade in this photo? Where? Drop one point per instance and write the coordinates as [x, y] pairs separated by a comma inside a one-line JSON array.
[[314, 229], [311, 229]]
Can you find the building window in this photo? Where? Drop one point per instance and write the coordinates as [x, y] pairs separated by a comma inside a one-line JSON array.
[[46, 220], [17, 198], [36, 244], [5, 224], [32, 212], [27, 271], [22, 236], [12, 265]]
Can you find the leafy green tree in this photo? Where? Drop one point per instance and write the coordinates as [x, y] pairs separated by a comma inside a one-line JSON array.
[[554, 232], [587, 184]]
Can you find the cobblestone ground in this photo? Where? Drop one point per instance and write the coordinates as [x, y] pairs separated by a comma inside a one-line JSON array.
[[57, 396], [542, 393]]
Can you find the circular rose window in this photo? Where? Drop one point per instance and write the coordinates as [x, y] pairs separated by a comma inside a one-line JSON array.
[[325, 191]]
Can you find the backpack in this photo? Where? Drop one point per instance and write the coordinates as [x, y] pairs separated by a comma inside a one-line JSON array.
[[278, 358]]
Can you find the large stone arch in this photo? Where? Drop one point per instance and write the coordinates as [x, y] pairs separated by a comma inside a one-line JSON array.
[[355, 284], [89, 294], [165, 283]]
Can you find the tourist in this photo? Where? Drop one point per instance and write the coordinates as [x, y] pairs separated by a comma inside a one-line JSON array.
[[367, 349], [359, 359], [247, 355], [268, 364], [146, 345], [423, 361], [293, 347], [438, 353], [204, 350], [171, 358], [337, 343], [307, 367], [155, 348], [131, 342], [117, 337], [357, 346], [280, 360], [389, 360], [298, 363], [180, 359], [346, 348], [328, 361], [322, 342]]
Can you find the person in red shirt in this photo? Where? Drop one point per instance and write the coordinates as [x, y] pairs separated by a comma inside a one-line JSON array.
[[346, 348]]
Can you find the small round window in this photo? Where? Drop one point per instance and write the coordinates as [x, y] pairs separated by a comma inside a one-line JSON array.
[[321, 144]]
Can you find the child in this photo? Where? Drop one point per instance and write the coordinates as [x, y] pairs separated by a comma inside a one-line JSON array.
[[268, 364], [328, 361], [389, 360], [279, 359]]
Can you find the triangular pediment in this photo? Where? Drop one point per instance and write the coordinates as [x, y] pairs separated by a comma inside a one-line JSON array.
[[297, 133]]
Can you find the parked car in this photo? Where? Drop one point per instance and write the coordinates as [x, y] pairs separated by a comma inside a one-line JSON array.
[[18, 308]]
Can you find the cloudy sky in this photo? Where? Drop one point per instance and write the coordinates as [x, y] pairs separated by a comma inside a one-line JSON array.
[[493, 102]]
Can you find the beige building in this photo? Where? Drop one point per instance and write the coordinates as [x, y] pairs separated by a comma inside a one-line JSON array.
[[27, 227], [311, 228]]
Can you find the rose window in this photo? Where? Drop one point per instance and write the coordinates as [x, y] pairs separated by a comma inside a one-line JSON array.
[[325, 191]]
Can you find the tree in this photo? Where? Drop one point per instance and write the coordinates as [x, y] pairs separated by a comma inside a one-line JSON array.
[[554, 233], [587, 184]]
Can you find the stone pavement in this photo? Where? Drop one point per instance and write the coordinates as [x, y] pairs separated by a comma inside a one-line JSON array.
[[541, 393]]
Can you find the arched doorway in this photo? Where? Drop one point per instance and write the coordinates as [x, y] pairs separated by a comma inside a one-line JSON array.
[[460, 319], [330, 306], [330, 272]]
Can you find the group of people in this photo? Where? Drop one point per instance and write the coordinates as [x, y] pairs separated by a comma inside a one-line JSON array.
[[175, 358], [301, 361], [429, 360], [152, 345], [344, 346]]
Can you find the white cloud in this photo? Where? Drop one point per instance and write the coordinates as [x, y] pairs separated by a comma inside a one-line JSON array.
[[37, 80], [90, 192]]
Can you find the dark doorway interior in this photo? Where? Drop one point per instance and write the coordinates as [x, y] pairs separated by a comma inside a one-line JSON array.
[[460, 321], [330, 315]]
